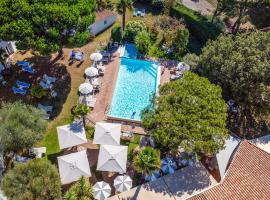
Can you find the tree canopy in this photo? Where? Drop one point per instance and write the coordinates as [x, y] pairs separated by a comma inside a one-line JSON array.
[[21, 126], [45, 25], [147, 161], [143, 42], [190, 113], [81, 190], [133, 28], [36, 179], [240, 65]]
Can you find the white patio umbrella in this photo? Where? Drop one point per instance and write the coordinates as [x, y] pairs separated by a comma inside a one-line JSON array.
[[112, 158], [71, 135], [91, 71], [154, 176], [96, 56], [122, 183], [102, 190], [85, 88], [73, 166], [107, 133], [168, 165]]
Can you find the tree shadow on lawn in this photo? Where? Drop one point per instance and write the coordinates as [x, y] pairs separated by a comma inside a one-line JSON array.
[[42, 65]]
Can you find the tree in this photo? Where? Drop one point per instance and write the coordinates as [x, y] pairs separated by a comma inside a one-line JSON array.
[[82, 190], [117, 34], [21, 126], [143, 42], [133, 28], [147, 161], [190, 113], [36, 179], [240, 65], [192, 60], [180, 42], [122, 6], [80, 111], [3, 56], [44, 25]]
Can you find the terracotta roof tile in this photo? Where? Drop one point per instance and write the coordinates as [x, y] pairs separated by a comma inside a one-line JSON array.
[[248, 177]]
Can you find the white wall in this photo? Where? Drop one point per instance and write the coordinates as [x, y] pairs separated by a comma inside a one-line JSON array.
[[101, 25]]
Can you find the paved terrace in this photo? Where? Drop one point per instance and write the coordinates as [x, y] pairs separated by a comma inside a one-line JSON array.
[[108, 82]]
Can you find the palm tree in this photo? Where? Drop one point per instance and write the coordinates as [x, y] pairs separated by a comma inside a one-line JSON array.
[[122, 6], [147, 161], [3, 56], [81, 190], [80, 110]]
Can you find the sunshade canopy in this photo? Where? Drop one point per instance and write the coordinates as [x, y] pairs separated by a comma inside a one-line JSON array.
[[112, 158], [85, 88], [122, 183], [107, 133], [91, 71], [71, 135], [96, 56], [73, 166], [102, 190]]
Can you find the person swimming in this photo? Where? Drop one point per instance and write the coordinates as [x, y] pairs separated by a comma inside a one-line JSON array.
[[133, 115]]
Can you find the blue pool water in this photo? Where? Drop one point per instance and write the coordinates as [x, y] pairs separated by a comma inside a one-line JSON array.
[[137, 80], [130, 51]]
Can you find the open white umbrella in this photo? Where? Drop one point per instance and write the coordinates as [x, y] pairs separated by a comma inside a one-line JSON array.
[[73, 166], [96, 57], [85, 88], [107, 133], [91, 71], [112, 158], [102, 190], [122, 183], [168, 165]]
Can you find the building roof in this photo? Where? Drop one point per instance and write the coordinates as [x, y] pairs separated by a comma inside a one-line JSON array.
[[101, 15], [178, 186], [247, 178], [262, 142]]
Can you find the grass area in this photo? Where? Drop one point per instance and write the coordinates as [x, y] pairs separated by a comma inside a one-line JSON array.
[[131, 145], [199, 26]]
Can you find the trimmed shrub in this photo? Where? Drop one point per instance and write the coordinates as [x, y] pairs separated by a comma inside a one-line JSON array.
[[117, 34], [38, 92], [143, 42], [133, 28], [80, 38]]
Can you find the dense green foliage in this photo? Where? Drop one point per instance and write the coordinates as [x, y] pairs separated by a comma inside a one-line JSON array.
[[80, 38], [81, 190], [190, 113], [192, 60], [198, 25], [44, 25], [21, 126], [117, 34], [240, 65], [133, 28], [80, 111], [143, 42], [147, 161], [36, 179], [38, 92], [180, 42], [122, 6]]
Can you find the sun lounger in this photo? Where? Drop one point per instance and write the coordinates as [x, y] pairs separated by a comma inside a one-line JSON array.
[[76, 55], [18, 91], [28, 69], [45, 85], [175, 77], [49, 79], [22, 63], [45, 108], [38, 152], [22, 85], [135, 12], [143, 12], [21, 159]]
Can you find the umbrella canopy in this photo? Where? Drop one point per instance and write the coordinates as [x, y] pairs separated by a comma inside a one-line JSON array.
[[96, 56], [107, 133], [112, 158], [122, 183], [71, 135], [85, 88], [152, 176], [102, 190], [168, 165], [73, 166], [91, 71]]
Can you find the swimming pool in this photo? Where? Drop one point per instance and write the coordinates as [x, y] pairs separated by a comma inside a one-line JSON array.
[[130, 51], [136, 81]]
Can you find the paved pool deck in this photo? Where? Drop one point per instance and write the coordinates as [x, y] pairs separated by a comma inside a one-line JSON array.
[[105, 95]]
